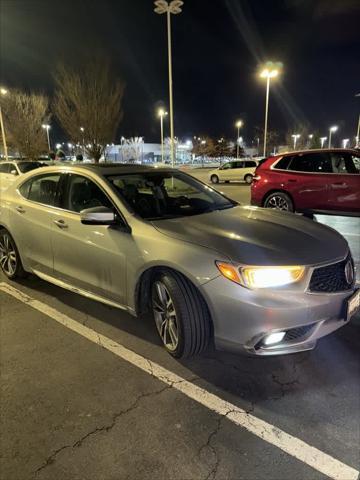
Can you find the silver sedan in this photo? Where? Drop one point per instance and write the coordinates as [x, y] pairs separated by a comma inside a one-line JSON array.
[[157, 240]]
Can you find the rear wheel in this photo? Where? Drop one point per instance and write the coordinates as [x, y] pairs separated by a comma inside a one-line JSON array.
[[248, 178], [214, 179], [10, 261], [279, 201], [180, 313]]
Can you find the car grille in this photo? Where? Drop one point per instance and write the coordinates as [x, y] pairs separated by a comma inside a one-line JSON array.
[[299, 332], [331, 278]]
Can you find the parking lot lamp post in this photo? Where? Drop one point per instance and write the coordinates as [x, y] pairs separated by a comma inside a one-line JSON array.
[[267, 73], [161, 114], [358, 135], [174, 7], [3, 92], [332, 130], [322, 141], [238, 125], [345, 142], [82, 130], [47, 127], [296, 136]]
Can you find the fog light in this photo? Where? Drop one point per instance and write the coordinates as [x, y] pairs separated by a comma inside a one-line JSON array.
[[274, 338]]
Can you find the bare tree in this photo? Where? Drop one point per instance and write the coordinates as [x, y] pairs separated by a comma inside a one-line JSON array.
[[132, 149], [24, 113], [88, 97]]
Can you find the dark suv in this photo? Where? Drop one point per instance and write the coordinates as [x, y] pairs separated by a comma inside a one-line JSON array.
[[315, 181]]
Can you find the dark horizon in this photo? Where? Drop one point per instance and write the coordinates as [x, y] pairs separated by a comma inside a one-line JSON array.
[[217, 50]]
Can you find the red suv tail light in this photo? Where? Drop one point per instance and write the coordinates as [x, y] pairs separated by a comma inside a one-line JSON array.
[[256, 177]]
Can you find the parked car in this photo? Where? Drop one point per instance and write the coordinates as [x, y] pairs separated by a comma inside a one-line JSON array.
[[144, 239], [314, 181], [234, 171], [9, 170]]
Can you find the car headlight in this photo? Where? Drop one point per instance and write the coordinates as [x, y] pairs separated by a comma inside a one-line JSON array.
[[261, 277]]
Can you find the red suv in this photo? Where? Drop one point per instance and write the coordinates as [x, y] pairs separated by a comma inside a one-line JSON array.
[[314, 181]]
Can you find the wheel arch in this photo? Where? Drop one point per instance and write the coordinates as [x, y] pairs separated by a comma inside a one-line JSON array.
[[142, 291]]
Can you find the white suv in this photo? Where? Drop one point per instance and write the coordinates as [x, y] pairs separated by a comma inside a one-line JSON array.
[[235, 171]]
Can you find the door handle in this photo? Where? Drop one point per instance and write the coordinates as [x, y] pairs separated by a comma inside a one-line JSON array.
[[20, 209], [60, 223]]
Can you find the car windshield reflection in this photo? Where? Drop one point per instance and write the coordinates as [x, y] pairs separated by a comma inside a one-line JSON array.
[[163, 195]]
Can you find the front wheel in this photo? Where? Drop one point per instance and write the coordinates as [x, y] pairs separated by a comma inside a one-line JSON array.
[[248, 178], [181, 315], [214, 179], [279, 201], [10, 261]]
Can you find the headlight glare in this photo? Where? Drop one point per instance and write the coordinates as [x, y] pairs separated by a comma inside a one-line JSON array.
[[267, 277]]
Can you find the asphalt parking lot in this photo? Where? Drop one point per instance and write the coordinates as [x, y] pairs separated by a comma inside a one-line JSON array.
[[87, 392]]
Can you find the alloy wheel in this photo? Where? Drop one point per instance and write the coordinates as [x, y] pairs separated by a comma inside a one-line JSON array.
[[278, 202], [8, 256], [165, 316]]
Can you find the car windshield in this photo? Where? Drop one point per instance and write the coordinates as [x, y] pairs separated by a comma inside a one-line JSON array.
[[168, 194], [25, 167]]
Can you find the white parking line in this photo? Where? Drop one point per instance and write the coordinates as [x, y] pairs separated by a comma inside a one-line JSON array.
[[293, 446]]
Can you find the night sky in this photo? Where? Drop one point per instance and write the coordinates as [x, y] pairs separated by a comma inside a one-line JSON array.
[[217, 48]]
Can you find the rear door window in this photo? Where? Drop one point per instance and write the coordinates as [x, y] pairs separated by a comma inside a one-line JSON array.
[[250, 164], [5, 167], [42, 189], [311, 162]]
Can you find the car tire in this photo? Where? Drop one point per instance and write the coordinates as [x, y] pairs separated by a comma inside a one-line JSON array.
[[248, 178], [279, 201], [214, 179], [180, 314], [10, 260]]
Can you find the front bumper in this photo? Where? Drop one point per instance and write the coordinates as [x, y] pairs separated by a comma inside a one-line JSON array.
[[243, 317]]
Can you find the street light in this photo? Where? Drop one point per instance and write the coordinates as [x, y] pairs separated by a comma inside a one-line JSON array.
[[47, 127], [322, 141], [267, 73], [3, 92], [161, 115], [162, 6], [345, 142], [82, 130], [296, 136], [331, 130], [238, 125]]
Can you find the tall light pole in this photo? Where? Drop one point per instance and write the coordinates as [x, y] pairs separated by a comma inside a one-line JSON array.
[[162, 6], [311, 136], [296, 136], [47, 127], [267, 73], [161, 114], [82, 130], [238, 125], [3, 92], [345, 142], [332, 130], [322, 141]]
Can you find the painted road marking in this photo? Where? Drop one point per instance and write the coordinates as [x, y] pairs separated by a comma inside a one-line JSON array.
[[293, 446]]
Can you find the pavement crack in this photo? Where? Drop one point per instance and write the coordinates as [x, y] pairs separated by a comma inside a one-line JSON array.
[[106, 428], [285, 387]]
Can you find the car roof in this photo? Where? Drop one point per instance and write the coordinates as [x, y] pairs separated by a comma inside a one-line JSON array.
[[317, 150], [103, 169]]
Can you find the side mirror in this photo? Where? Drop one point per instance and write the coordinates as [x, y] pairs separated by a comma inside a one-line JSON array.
[[98, 216], [13, 172]]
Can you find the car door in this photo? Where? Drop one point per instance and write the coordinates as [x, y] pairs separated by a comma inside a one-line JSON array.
[[225, 172], [345, 182], [308, 179], [237, 171], [31, 211], [87, 257]]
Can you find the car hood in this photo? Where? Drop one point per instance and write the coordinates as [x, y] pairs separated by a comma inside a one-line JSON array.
[[258, 236]]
